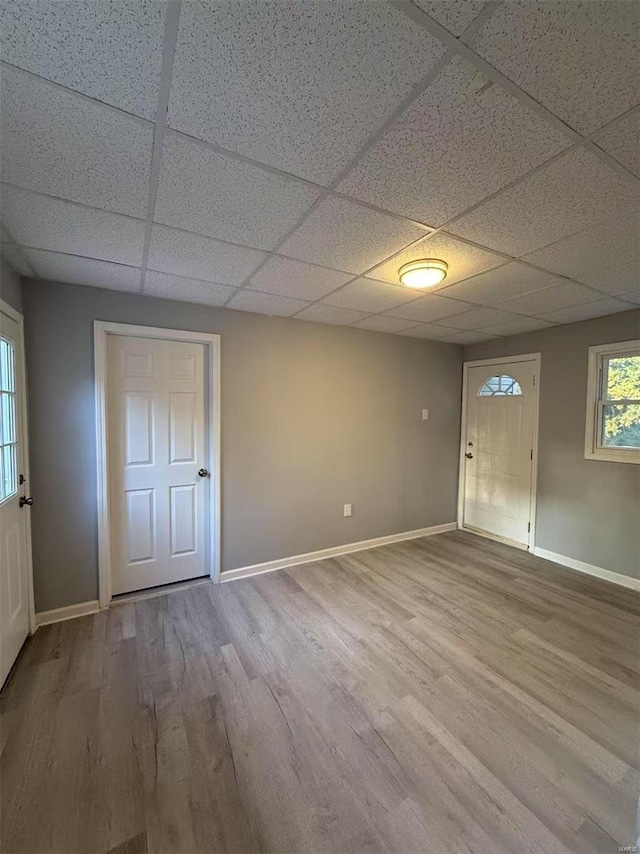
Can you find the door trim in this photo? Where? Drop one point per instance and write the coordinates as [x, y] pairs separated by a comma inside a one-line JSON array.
[[11, 312], [501, 360], [101, 329]]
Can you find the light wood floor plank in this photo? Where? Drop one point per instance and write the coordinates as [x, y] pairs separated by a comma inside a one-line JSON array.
[[448, 694]]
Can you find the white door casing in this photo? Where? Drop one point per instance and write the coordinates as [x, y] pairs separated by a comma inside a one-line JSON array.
[[161, 512], [498, 449], [17, 617]]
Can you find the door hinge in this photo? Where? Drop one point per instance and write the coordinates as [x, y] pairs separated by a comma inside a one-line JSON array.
[[529, 527], [534, 380], [531, 453]]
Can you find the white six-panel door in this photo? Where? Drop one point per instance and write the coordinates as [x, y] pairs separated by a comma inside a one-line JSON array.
[[14, 562], [156, 399], [498, 449]]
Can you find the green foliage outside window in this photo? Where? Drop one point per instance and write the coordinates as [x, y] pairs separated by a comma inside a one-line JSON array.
[[622, 419]]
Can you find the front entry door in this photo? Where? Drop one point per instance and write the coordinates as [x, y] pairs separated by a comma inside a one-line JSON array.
[[498, 458], [14, 561], [159, 490]]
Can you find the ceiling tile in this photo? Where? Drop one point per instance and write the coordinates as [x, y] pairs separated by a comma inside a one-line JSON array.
[[605, 256], [454, 15], [297, 84], [468, 337], [65, 145], [189, 290], [384, 323], [550, 299], [266, 303], [428, 330], [461, 141], [495, 286], [429, 308], [83, 271], [15, 258], [632, 296], [371, 296], [322, 313], [296, 279], [463, 260], [251, 205], [196, 257], [580, 60], [44, 222], [562, 197], [477, 318], [586, 311], [347, 236], [517, 326], [109, 51], [622, 141]]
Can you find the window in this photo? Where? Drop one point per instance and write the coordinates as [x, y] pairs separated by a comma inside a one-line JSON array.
[[8, 437], [613, 403], [499, 385]]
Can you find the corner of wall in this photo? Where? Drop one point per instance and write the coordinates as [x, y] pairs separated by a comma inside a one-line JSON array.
[[11, 285]]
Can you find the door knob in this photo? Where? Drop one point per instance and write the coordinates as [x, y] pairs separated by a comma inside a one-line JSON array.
[[203, 473], [469, 456], [24, 501]]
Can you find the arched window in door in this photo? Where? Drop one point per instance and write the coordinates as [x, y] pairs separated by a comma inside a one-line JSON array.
[[501, 384]]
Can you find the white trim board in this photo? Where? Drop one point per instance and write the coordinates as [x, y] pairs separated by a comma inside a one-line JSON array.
[[334, 551], [83, 609], [69, 612], [101, 329], [501, 360], [589, 569]]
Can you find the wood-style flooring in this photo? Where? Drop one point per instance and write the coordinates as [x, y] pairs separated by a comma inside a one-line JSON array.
[[448, 694]]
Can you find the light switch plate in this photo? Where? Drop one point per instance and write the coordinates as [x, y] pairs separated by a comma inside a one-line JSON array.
[[347, 510], [425, 414]]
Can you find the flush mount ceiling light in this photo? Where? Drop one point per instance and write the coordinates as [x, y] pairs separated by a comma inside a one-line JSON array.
[[425, 273]]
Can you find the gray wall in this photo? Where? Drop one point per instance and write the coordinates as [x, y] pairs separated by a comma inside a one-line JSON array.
[[587, 509], [10, 286], [313, 417]]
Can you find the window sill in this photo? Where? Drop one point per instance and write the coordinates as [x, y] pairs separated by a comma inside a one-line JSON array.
[[609, 455]]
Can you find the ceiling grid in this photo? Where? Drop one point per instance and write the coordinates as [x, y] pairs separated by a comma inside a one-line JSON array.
[[168, 53], [332, 260]]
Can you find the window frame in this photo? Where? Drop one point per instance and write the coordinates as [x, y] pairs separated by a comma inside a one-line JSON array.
[[500, 392], [593, 447]]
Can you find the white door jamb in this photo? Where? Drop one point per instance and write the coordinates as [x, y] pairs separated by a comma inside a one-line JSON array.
[[212, 344]]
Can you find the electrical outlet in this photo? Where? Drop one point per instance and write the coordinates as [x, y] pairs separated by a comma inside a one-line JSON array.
[[347, 510], [425, 414]]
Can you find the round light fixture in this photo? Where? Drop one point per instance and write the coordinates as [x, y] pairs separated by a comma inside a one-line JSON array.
[[425, 273]]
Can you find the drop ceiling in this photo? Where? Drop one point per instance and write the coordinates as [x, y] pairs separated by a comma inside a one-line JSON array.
[[286, 157]]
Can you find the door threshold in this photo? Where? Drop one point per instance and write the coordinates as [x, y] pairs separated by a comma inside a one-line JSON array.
[[495, 537], [163, 590]]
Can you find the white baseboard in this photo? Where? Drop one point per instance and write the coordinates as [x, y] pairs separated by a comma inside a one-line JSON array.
[[70, 612], [335, 551], [589, 569]]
